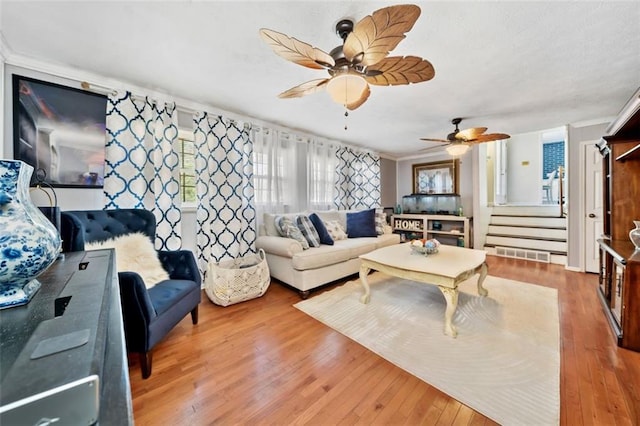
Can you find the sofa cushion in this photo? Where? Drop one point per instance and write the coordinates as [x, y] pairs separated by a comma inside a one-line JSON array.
[[324, 255], [361, 224], [287, 228], [308, 230], [387, 239], [327, 215], [323, 234], [269, 222], [335, 230]]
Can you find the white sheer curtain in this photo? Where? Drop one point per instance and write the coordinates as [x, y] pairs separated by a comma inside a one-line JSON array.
[[321, 174], [274, 172]]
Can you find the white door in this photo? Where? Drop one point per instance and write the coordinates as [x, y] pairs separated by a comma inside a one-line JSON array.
[[593, 205], [500, 189]]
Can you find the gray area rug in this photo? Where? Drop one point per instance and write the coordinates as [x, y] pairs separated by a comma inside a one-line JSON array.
[[505, 362]]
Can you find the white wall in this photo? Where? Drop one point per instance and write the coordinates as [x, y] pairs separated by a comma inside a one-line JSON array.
[[2, 88], [388, 193], [405, 178]]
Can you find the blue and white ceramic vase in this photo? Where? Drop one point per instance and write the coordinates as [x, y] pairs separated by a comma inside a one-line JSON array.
[[29, 243]]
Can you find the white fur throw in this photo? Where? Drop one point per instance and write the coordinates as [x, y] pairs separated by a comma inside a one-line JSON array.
[[134, 253]]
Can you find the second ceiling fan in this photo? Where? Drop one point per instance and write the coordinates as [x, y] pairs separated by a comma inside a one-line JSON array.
[[459, 141], [361, 59]]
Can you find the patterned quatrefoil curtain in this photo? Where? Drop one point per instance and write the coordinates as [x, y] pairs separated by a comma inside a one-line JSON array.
[[357, 180], [224, 183], [141, 166]]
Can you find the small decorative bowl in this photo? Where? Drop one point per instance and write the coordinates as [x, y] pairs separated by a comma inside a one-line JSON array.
[[424, 250]]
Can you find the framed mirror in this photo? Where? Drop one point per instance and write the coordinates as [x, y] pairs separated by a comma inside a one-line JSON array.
[[439, 177]]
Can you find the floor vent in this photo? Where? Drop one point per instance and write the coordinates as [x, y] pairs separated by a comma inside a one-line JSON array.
[[538, 256]]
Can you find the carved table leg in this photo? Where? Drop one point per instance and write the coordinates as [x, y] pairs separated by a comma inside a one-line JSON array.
[[483, 274], [364, 271], [451, 296]]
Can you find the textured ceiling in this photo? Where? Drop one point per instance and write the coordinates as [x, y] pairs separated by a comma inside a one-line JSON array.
[[514, 67]]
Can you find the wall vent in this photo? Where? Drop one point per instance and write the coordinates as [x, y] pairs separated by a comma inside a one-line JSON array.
[[538, 256]]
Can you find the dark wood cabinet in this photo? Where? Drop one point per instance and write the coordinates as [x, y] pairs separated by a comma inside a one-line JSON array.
[[63, 355], [619, 277]]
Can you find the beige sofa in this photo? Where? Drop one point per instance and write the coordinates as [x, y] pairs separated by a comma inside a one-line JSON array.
[[307, 269]]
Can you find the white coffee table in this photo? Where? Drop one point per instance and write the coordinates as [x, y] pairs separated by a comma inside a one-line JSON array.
[[445, 269]]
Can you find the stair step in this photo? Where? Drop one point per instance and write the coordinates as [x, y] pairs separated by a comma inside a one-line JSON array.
[[524, 231], [547, 211], [528, 237], [531, 221], [533, 244]]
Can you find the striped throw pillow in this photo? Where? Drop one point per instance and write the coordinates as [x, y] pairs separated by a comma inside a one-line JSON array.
[[308, 230], [287, 228], [381, 220]]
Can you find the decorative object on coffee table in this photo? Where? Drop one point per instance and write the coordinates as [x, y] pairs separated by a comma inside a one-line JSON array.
[[29, 243]]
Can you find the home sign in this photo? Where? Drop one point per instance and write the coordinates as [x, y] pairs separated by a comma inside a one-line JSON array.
[[408, 224]]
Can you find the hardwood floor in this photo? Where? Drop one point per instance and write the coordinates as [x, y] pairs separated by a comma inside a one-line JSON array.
[[265, 362]]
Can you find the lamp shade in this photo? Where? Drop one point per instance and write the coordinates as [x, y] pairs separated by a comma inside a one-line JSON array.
[[457, 149], [346, 88]]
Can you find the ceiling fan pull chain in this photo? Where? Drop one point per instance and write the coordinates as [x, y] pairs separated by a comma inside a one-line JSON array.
[[346, 115]]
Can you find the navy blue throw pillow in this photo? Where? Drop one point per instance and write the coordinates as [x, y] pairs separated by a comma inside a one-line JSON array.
[[362, 224], [325, 238]]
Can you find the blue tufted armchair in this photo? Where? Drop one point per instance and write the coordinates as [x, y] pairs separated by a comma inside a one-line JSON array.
[[148, 315]]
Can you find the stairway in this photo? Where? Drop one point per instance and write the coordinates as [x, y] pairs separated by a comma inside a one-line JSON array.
[[528, 232]]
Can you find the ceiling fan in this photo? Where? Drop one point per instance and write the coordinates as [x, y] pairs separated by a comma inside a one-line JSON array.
[[361, 59], [459, 141]]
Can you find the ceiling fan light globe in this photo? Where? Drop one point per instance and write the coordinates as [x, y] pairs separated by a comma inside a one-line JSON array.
[[456, 150], [346, 88]]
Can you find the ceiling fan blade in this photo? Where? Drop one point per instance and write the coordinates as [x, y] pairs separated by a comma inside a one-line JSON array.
[[491, 137], [433, 148], [470, 134], [374, 36], [296, 51], [435, 140], [363, 98], [398, 70], [304, 89]]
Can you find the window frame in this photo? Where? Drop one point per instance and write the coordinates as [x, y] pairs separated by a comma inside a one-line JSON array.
[[186, 135]]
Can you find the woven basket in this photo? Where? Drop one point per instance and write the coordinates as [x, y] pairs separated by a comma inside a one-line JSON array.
[[237, 280]]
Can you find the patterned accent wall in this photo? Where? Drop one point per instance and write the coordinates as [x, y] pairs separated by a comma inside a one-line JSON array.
[[357, 180], [552, 157], [224, 168]]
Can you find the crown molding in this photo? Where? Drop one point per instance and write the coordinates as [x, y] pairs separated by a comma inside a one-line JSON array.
[[629, 110], [5, 51]]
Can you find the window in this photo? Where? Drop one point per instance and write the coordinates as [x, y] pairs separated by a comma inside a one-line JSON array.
[[187, 153], [260, 177], [275, 182]]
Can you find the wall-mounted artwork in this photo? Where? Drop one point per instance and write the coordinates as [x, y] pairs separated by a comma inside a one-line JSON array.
[[440, 177], [60, 130]]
